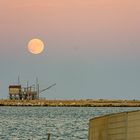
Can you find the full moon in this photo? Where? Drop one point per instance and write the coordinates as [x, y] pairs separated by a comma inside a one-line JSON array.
[[35, 46]]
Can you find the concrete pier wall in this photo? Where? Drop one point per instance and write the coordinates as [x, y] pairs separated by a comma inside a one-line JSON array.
[[120, 126]]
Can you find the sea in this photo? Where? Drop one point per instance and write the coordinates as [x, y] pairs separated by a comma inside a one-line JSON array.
[[62, 123]]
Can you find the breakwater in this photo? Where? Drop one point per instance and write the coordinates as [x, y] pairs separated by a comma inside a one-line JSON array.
[[72, 103]]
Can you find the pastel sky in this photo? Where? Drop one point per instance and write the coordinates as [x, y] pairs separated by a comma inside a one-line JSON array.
[[92, 47]]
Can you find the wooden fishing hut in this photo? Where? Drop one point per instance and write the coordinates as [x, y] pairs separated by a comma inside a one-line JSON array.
[[17, 92]]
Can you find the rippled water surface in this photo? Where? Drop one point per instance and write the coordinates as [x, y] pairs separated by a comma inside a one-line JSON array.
[[64, 123]]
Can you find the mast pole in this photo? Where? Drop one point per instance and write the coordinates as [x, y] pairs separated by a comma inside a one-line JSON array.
[[37, 88]]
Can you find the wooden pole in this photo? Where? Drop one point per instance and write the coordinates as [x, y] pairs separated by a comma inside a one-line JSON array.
[[37, 88], [49, 135]]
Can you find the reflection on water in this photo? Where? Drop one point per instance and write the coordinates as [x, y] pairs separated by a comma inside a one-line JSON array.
[[64, 123]]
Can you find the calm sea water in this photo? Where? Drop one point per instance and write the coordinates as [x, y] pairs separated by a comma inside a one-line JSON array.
[[64, 123]]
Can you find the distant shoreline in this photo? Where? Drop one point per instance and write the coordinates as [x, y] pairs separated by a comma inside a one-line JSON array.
[[72, 103]]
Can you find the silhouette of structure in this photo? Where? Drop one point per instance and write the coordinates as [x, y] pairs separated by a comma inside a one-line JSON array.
[[32, 92]]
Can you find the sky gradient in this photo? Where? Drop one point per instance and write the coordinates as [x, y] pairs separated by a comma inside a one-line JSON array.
[[92, 47]]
